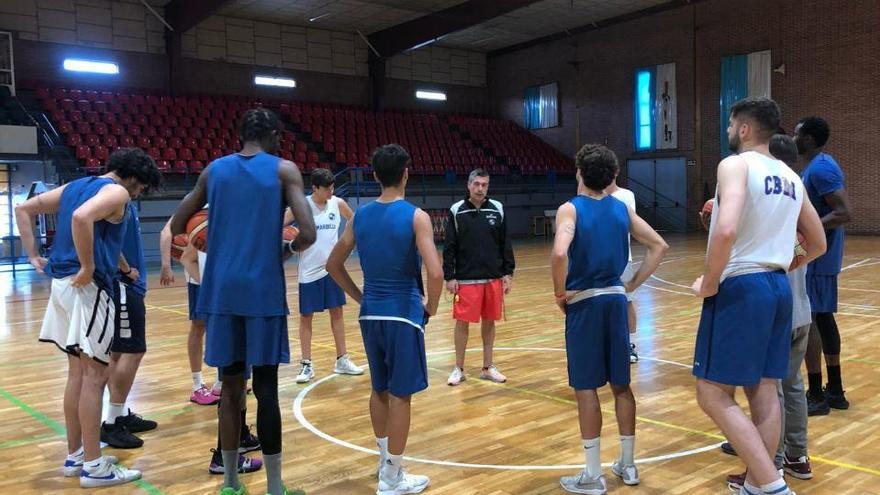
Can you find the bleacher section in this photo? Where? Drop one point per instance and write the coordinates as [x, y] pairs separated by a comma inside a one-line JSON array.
[[184, 134]]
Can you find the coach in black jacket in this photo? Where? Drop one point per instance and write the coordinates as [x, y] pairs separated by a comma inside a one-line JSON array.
[[478, 267]]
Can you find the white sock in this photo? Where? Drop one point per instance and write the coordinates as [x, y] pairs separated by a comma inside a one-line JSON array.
[[593, 462], [114, 412], [778, 487], [92, 465], [394, 463], [751, 489], [627, 446], [77, 455], [382, 443], [197, 380]]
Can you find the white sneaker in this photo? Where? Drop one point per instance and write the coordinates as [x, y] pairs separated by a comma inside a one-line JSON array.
[[403, 484], [493, 375], [457, 376], [72, 467], [107, 475], [629, 474], [306, 374], [344, 366], [582, 483]]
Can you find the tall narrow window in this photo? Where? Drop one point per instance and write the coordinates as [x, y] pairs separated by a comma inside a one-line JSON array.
[[644, 110], [540, 106]]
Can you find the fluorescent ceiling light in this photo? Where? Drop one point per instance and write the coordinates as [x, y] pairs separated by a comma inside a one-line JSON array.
[[313, 19], [274, 81], [94, 66], [431, 95], [426, 43]]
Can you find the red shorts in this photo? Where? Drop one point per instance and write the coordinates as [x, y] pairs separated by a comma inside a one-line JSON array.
[[475, 301]]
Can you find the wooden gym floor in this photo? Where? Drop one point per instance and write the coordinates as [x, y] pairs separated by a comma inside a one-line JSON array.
[[478, 438]]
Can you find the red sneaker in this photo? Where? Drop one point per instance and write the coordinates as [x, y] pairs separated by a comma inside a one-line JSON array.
[[799, 468]]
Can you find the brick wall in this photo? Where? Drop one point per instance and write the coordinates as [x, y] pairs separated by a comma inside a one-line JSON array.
[[831, 70]]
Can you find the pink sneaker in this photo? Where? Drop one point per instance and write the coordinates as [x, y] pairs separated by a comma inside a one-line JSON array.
[[492, 374], [216, 388], [204, 397]]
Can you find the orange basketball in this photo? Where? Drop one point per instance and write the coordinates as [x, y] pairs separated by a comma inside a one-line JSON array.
[[706, 213], [178, 244], [197, 229], [800, 251], [288, 235]]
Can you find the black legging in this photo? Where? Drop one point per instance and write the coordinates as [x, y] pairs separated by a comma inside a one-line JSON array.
[[829, 333], [265, 384]]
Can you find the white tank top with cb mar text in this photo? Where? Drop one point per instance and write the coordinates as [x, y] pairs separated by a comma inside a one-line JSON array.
[[313, 261], [767, 230]]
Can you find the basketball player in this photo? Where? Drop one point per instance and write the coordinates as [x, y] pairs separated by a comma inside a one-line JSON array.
[[193, 262], [589, 255], [243, 294], [478, 268], [317, 290], [80, 314], [393, 237], [824, 181], [759, 207], [129, 341], [791, 455], [629, 199]]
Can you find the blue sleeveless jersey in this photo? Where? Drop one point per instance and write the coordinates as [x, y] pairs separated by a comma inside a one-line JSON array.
[[599, 252], [63, 261], [244, 272], [133, 250], [386, 246]]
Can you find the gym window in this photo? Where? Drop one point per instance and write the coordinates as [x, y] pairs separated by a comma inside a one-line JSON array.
[[644, 105]]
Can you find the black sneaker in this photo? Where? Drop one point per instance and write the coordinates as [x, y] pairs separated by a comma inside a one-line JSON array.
[[633, 355], [245, 464], [249, 441], [727, 448], [836, 400], [135, 423], [119, 436], [817, 405]]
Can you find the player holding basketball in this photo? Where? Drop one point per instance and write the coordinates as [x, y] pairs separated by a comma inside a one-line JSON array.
[[317, 290], [589, 256], [243, 294], [393, 237], [824, 181], [629, 199], [478, 268], [80, 315], [744, 338]]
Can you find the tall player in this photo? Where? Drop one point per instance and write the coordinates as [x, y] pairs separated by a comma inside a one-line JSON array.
[[629, 199], [243, 294], [80, 315], [317, 290], [759, 206], [824, 181], [589, 255], [393, 237]]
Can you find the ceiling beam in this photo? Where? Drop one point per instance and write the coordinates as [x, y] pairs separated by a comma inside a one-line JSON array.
[[396, 39], [184, 15], [656, 9]]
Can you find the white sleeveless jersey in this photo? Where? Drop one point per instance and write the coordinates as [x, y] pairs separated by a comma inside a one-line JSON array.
[[629, 199], [313, 261], [202, 257], [767, 229]]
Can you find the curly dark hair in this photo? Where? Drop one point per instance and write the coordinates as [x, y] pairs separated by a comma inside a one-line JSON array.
[[135, 162], [389, 162], [783, 147], [815, 127], [597, 164], [258, 124]]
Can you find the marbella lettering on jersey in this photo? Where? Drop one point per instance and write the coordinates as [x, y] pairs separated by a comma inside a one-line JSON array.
[[326, 226], [779, 185]]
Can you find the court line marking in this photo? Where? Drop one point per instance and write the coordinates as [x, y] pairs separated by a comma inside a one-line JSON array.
[[856, 264], [61, 431], [300, 416]]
